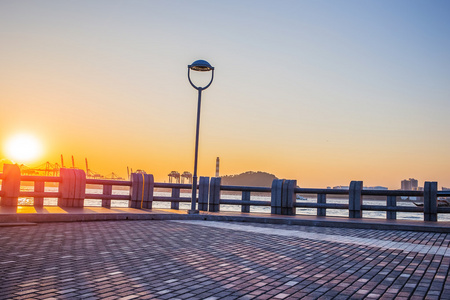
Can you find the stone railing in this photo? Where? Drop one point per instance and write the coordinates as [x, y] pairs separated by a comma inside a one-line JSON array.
[[72, 193]]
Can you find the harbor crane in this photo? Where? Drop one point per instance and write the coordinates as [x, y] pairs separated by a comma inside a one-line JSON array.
[[174, 175], [90, 173], [186, 175]]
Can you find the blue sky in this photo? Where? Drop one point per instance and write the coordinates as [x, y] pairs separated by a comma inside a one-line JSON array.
[[319, 91]]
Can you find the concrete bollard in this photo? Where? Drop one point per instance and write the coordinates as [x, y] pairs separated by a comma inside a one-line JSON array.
[[175, 194], [430, 201], [203, 189], [355, 199], [275, 196], [136, 190], [288, 197], [141, 191], [283, 197], [72, 187], [149, 186], [214, 194], [10, 185]]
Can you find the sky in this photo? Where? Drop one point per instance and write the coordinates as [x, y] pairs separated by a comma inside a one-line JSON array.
[[323, 92]]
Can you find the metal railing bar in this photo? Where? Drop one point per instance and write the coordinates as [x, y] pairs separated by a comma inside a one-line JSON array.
[[240, 202], [112, 197]]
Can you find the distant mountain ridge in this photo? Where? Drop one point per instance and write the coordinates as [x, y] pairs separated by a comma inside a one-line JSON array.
[[249, 178]]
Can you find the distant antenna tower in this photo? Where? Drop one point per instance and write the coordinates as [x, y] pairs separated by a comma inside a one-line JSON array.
[[217, 167]]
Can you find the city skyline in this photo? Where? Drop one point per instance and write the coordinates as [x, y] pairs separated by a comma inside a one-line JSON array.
[[322, 92]]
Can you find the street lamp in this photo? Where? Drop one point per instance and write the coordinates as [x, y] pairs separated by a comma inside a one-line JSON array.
[[201, 66]]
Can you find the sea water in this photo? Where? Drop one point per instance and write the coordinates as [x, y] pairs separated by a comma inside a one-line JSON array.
[[237, 208]]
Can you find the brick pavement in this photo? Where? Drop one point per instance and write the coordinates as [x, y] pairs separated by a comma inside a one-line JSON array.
[[219, 260]]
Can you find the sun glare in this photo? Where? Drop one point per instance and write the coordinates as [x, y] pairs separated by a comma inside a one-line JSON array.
[[23, 148]]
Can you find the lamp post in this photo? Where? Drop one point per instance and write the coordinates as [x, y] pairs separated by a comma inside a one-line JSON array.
[[201, 66]]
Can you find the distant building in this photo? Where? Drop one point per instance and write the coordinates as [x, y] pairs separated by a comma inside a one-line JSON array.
[[406, 185], [340, 187], [410, 184]]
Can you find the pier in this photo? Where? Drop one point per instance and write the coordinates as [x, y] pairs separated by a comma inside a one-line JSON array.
[[72, 193], [141, 252]]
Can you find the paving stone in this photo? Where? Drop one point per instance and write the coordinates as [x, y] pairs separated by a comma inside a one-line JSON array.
[[188, 260]]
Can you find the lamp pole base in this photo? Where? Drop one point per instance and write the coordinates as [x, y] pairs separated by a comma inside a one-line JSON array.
[[193, 212]]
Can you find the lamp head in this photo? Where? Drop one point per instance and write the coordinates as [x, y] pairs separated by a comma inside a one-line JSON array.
[[201, 65]]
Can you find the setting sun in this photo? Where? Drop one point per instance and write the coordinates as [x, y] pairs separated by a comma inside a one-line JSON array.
[[23, 148]]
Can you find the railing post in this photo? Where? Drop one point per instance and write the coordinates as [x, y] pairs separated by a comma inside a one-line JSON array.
[[276, 195], [80, 188], [288, 197], [10, 185], [107, 190], [175, 194], [39, 187], [391, 202], [148, 191], [245, 208], [141, 190], [135, 190], [72, 188], [322, 199], [355, 199], [203, 193], [214, 194], [430, 201]]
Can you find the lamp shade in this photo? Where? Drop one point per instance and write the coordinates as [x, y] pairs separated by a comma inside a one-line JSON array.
[[201, 65]]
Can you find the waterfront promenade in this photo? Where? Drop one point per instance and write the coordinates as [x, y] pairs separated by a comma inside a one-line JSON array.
[[198, 259]]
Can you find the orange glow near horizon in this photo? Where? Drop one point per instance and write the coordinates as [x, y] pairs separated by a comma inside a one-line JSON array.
[[323, 100]]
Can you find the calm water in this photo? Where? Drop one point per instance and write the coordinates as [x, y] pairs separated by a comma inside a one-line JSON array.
[[237, 208]]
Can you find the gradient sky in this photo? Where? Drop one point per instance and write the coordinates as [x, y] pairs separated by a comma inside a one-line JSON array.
[[323, 92]]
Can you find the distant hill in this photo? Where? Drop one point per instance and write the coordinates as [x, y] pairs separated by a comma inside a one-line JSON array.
[[249, 178]]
